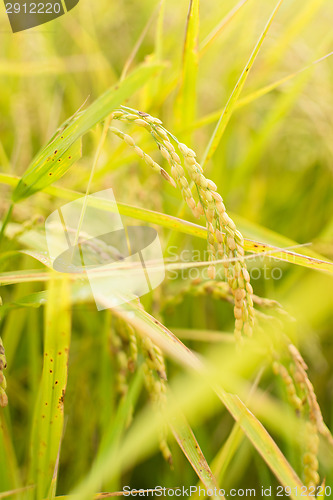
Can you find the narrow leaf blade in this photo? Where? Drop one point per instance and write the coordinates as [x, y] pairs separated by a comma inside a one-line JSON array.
[[37, 174], [231, 104], [49, 412], [191, 449]]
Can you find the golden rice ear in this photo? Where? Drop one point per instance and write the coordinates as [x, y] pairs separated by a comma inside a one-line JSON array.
[[224, 241], [3, 398], [144, 156], [310, 461], [155, 380], [124, 346], [301, 376], [301, 395]]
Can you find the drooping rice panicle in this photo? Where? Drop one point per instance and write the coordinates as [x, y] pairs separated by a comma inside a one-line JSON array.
[[223, 239], [310, 460], [155, 382], [125, 346], [294, 399], [119, 345], [220, 290], [305, 384], [147, 159], [302, 397]]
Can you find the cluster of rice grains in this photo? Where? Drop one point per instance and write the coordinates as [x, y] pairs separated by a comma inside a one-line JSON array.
[[301, 395], [219, 290], [126, 345], [224, 241], [3, 385]]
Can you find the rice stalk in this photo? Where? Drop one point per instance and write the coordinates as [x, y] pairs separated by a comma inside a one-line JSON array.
[[125, 347], [302, 397]]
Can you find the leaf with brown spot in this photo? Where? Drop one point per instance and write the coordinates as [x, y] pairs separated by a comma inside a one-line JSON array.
[[65, 149], [49, 409]]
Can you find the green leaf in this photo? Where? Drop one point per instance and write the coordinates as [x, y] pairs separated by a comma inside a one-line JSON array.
[[9, 477], [231, 104], [49, 411], [187, 96], [47, 168], [256, 94], [219, 28], [262, 441], [188, 443], [38, 175], [11, 493]]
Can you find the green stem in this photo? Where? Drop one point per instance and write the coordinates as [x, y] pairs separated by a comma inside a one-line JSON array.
[[97, 155], [6, 220]]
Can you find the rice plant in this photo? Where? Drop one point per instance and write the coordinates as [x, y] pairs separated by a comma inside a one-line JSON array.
[[211, 122]]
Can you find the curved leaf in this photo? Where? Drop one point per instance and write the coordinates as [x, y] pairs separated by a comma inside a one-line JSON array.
[[38, 175]]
